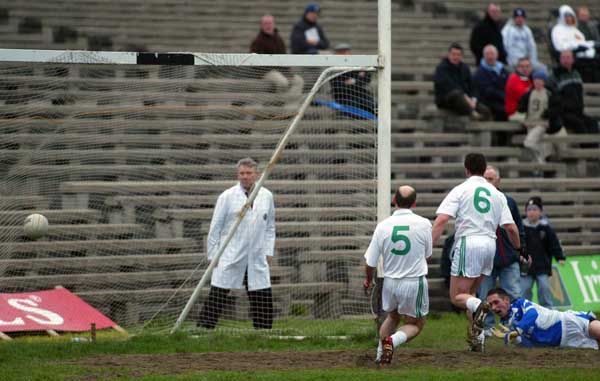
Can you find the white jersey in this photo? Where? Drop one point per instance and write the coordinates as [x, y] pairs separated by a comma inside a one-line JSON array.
[[478, 208], [404, 241]]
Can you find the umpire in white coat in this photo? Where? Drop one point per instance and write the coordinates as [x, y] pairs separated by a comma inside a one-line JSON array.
[[246, 260]]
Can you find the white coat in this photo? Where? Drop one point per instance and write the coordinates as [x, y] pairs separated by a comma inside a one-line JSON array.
[[253, 241], [568, 37]]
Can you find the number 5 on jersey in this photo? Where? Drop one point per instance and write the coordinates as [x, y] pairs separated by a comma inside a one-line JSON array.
[[398, 236]]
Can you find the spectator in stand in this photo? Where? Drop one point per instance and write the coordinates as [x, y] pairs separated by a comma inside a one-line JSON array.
[[541, 107], [490, 81], [518, 40], [566, 36], [567, 82], [542, 244], [268, 41], [488, 31], [307, 36], [590, 28], [454, 89], [352, 88], [517, 85]]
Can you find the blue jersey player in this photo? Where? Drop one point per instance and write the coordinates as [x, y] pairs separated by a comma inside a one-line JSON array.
[[531, 325]]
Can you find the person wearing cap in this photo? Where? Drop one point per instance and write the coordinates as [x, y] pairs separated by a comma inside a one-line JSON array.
[[542, 245], [566, 36], [566, 81], [307, 35], [352, 88], [541, 107], [518, 39], [268, 41]]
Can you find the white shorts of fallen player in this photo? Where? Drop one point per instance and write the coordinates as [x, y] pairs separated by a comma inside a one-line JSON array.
[[473, 256], [407, 296], [575, 332]]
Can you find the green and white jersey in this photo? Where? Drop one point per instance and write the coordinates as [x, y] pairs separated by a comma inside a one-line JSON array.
[[478, 208], [404, 240]]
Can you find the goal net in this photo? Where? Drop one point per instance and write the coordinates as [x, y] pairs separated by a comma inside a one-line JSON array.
[[126, 161]]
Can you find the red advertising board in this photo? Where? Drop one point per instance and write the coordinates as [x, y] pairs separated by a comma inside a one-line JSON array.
[[57, 309]]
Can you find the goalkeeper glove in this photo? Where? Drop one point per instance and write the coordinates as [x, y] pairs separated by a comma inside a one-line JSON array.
[[512, 337], [499, 331]]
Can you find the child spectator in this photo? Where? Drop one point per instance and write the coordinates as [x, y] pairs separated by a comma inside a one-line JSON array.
[[541, 107], [542, 244]]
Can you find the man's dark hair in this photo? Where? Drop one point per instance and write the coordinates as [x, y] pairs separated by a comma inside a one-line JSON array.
[[455, 45], [475, 163], [405, 202], [526, 58], [498, 290]]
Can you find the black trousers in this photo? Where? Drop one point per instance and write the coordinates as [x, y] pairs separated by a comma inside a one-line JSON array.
[[261, 307], [455, 101]]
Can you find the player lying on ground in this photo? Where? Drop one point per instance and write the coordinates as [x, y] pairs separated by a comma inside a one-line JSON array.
[[479, 208], [404, 241], [527, 324]]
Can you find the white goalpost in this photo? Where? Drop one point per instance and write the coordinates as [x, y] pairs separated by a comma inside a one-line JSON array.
[[125, 153]]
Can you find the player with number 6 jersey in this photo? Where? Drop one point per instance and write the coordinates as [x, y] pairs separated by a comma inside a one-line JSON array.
[[478, 208], [404, 242]]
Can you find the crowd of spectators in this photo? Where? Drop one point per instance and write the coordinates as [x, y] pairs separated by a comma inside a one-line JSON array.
[[511, 83]]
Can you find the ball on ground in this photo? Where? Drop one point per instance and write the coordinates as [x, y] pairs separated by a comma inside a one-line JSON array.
[[36, 226]]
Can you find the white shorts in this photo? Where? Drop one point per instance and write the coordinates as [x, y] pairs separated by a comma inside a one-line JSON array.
[[575, 332], [407, 296], [473, 256]]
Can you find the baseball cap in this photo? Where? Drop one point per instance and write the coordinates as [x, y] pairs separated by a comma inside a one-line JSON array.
[[540, 74], [342, 46], [312, 7], [519, 12], [534, 201]]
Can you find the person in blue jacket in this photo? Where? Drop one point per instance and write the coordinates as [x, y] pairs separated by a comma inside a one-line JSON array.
[[528, 324], [307, 36]]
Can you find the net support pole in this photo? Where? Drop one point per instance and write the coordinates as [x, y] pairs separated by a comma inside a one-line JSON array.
[[384, 112], [257, 186]]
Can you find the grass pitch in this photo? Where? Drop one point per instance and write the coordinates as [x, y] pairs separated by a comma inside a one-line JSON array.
[[439, 353]]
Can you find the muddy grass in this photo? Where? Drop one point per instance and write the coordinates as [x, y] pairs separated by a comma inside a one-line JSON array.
[[173, 364]]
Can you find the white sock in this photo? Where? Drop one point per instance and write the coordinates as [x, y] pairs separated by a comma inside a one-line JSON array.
[[473, 303], [399, 338], [379, 351]]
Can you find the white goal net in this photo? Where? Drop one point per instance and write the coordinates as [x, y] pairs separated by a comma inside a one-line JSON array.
[[126, 161]]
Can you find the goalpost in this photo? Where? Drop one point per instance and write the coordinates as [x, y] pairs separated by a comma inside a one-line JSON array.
[[125, 153]]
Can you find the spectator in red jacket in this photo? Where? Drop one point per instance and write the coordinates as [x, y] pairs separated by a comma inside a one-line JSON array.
[[517, 85]]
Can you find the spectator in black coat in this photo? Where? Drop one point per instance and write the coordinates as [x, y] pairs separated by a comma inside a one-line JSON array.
[[352, 88], [567, 83], [542, 245], [488, 31], [490, 81], [307, 36], [454, 89]]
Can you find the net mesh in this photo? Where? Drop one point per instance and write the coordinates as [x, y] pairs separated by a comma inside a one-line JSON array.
[[127, 162]]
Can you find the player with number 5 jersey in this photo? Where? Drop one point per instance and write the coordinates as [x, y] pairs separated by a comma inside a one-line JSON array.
[[478, 208], [404, 242]]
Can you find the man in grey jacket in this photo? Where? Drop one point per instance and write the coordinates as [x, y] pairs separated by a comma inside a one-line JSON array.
[[518, 39]]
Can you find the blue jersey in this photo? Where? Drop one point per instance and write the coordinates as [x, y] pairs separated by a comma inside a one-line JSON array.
[[538, 326]]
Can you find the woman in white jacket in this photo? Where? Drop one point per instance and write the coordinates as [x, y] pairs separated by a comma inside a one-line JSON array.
[[566, 36]]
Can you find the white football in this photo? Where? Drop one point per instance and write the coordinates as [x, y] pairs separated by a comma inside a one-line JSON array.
[[36, 226]]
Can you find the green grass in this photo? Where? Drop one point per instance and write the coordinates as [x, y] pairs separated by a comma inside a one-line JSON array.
[[40, 358]]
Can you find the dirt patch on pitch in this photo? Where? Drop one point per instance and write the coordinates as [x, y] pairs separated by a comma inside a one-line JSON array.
[[172, 364]]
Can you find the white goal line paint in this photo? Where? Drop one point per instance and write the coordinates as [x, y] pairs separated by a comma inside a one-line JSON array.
[[184, 58]]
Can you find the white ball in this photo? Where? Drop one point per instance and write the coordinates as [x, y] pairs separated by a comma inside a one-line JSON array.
[[36, 226]]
